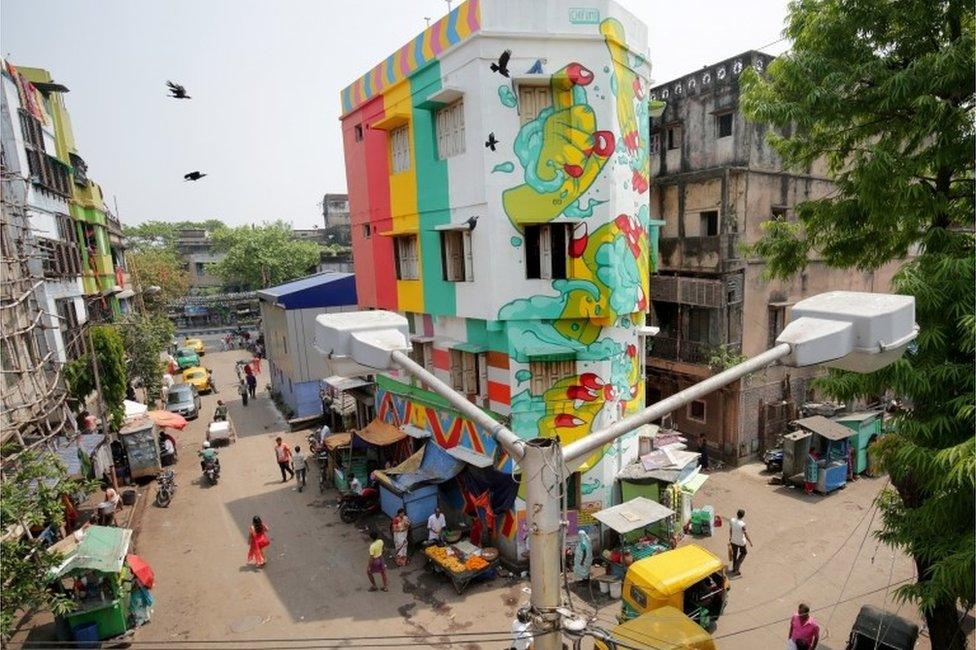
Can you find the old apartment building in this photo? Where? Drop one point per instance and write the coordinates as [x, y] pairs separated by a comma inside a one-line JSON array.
[[715, 180]]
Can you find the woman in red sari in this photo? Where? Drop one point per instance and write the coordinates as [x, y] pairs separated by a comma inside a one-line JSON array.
[[257, 540]]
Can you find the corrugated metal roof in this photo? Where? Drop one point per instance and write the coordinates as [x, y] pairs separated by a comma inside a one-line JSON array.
[[326, 289], [633, 514], [827, 428]]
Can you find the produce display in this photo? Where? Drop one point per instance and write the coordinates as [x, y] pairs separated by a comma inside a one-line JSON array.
[[445, 558]]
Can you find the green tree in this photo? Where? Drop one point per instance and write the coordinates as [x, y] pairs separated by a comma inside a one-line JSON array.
[[163, 234], [110, 352], [883, 92], [159, 267], [30, 496], [146, 337], [263, 256]]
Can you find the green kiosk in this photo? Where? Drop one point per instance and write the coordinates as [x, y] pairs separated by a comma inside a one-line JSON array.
[[867, 426], [95, 574]]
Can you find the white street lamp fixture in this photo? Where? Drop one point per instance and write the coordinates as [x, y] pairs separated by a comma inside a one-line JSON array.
[[855, 331]]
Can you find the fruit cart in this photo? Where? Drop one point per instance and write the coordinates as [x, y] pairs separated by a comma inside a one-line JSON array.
[[462, 562]]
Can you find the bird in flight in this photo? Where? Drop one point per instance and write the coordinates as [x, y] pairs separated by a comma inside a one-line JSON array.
[[178, 91], [193, 176], [502, 66], [491, 141]]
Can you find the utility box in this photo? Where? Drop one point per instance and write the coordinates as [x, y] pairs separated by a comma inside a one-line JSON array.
[[796, 447]]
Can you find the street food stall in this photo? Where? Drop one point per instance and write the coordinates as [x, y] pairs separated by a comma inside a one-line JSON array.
[[412, 485], [384, 444], [820, 453], [140, 438], [688, 578], [632, 521], [342, 462], [666, 625], [110, 597], [462, 562]]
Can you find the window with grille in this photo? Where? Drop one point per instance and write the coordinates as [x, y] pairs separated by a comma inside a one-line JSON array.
[[60, 258], [71, 331], [531, 101], [699, 324], [400, 147], [469, 373], [456, 257], [545, 374], [655, 143], [405, 253], [724, 124], [777, 321], [546, 251], [450, 130], [44, 170], [423, 354]]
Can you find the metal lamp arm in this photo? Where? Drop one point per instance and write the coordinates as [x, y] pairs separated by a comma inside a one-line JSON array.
[[576, 452], [506, 438]]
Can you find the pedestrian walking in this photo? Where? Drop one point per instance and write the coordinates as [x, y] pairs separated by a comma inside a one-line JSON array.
[[376, 563], [257, 541], [242, 389], [804, 631], [252, 385], [400, 527], [283, 454], [737, 540], [703, 453], [299, 464]]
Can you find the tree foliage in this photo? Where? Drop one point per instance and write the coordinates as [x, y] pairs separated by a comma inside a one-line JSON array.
[[30, 496], [263, 256], [110, 352], [884, 93], [159, 267], [146, 337], [163, 234]]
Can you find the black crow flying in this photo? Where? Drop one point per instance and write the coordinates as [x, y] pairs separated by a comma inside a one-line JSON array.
[[491, 141], [502, 66], [193, 176], [177, 91]]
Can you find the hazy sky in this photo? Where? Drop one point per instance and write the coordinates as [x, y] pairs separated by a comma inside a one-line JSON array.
[[265, 78]]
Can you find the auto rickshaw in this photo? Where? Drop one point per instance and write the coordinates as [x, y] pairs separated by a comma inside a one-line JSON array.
[[665, 628], [689, 578], [875, 629]]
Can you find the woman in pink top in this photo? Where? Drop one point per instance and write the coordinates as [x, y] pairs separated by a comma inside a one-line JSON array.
[[804, 631]]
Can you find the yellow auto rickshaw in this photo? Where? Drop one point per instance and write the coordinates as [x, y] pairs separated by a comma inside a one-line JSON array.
[[665, 628], [689, 578]]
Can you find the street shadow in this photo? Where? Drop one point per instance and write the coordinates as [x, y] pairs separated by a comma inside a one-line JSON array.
[[258, 418], [798, 494], [312, 551]]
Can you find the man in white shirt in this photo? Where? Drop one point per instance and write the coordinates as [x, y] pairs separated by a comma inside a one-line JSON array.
[[737, 539], [521, 632], [436, 523]]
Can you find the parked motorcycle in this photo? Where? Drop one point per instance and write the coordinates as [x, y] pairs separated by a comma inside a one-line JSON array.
[[352, 506], [166, 488], [211, 470]]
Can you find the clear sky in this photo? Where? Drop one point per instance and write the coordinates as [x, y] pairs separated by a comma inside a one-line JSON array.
[[265, 78]]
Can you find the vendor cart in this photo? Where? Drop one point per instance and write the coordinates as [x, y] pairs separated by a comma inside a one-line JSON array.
[[462, 562], [140, 438], [630, 520], [221, 431]]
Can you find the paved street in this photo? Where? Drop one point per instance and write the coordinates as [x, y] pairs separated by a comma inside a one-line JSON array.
[[314, 584]]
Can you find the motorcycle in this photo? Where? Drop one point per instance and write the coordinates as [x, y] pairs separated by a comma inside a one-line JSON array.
[[211, 470], [166, 488], [352, 506], [774, 460]]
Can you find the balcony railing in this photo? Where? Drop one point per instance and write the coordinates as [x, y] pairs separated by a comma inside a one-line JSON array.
[[687, 351]]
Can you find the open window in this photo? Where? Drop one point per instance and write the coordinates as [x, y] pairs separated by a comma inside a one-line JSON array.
[[708, 223], [674, 137], [469, 373], [456, 257], [546, 251], [723, 123], [696, 411]]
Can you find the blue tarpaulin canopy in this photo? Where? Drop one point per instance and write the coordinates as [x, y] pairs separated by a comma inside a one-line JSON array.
[[437, 466]]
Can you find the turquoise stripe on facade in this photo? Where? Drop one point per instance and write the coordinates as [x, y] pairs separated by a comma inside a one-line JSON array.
[[432, 194]]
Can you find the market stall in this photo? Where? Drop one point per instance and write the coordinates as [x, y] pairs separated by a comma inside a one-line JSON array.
[[110, 596], [342, 462], [665, 475], [384, 444], [632, 521], [462, 562], [412, 485], [821, 449]]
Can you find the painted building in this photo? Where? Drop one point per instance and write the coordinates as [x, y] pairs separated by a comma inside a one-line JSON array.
[[288, 314], [87, 205], [196, 250], [716, 180], [498, 189], [43, 187]]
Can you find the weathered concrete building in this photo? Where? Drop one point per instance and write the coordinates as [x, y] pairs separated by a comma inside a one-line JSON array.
[[715, 181], [196, 250]]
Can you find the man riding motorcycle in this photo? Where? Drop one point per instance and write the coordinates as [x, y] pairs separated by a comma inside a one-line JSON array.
[[208, 454]]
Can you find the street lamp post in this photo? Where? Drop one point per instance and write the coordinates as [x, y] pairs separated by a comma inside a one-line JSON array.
[[850, 330]]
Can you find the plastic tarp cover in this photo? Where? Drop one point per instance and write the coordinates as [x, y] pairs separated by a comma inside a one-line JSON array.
[[103, 549], [380, 434], [68, 452], [437, 466], [499, 487]]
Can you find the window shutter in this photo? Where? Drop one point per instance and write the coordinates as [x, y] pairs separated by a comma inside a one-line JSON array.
[[468, 260], [545, 253], [457, 376], [470, 373], [482, 360]]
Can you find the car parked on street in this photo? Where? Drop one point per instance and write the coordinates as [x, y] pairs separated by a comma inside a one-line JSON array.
[[187, 358], [185, 400], [199, 378], [197, 345]]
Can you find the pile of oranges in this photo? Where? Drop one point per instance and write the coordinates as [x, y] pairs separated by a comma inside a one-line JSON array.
[[449, 562], [475, 563]]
